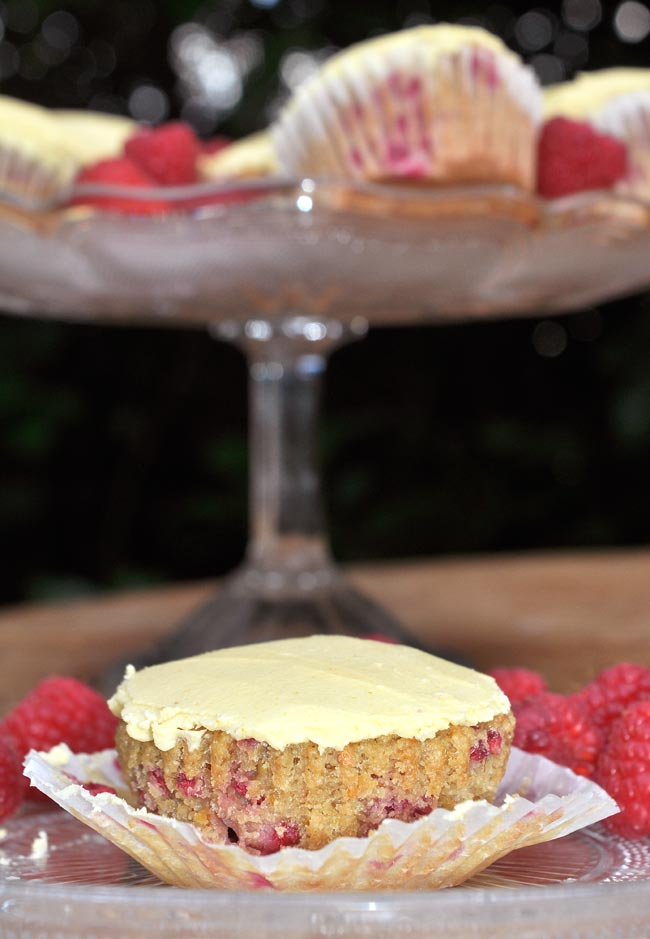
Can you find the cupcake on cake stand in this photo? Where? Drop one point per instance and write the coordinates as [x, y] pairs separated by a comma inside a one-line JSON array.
[[290, 268]]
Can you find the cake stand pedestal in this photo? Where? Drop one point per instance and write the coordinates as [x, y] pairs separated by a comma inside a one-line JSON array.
[[288, 270], [288, 584]]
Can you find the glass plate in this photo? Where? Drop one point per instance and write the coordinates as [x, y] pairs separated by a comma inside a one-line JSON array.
[[329, 250], [589, 884]]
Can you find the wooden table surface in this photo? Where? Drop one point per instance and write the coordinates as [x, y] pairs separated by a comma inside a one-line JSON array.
[[566, 614]]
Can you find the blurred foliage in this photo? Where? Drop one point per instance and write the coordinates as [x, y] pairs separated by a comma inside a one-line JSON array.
[[123, 452]]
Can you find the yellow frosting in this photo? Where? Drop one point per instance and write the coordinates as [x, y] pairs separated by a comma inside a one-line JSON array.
[[587, 94], [61, 139], [29, 130], [441, 39], [249, 157], [331, 690], [91, 135]]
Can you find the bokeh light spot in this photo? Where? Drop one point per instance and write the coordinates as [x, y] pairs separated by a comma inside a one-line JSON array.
[[296, 66], [21, 15], [149, 104], [582, 15], [60, 30], [573, 48], [211, 70], [549, 68], [632, 21], [549, 339], [534, 30]]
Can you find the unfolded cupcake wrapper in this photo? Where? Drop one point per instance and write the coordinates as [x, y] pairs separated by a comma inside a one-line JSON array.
[[628, 118], [537, 801], [469, 115]]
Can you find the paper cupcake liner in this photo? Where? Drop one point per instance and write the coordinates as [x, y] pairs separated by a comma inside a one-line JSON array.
[[628, 118], [26, 180], [406, 111], [537, 801], [34, 164]]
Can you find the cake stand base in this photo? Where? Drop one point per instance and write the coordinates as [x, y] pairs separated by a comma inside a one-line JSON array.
[[255, 606], [246, 610]]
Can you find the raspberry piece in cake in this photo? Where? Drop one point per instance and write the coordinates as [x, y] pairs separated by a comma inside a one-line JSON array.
[[12, 782], [624, 771], [96, 788], [607, 696], [495, 741], [560, 729], [518, 683], [574, 157]]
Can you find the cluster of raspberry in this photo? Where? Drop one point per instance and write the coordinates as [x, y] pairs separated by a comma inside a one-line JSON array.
[[601, 731]]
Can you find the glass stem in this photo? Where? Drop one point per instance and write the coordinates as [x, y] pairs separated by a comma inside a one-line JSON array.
[[287, 547]]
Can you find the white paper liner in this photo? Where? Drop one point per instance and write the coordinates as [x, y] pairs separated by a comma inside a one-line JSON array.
[[440, 850], [468, 115], [30, 180], [628, 118]]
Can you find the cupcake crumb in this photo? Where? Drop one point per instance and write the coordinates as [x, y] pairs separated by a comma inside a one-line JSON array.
[[40, 847]]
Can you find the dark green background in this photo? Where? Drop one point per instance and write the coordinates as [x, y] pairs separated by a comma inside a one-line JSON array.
[[123, 452]]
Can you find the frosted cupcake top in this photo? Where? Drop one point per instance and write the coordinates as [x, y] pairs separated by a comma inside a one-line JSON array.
[[591, 92], [441, 39], [330, 690], [246, 158], [60, 140], [30, 130], [92, 135]]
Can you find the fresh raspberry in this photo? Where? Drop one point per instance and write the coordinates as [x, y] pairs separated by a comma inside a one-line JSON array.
[[381, 637], [123, 172], [607, 696], [558, 728], [518, 683], [168, 154], [12, 782], [624, 771], [573, 157], [61, 710]]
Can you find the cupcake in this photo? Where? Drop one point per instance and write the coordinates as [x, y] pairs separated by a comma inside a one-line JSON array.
[[35, 165], [299, 742], [616, 102], [435, 104], [248, 158]]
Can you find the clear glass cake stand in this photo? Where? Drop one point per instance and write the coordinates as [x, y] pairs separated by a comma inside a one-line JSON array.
[[289, 270]]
